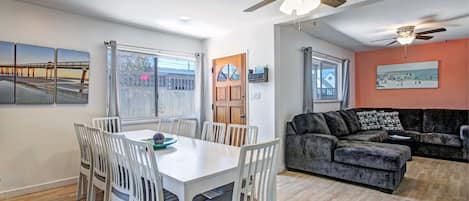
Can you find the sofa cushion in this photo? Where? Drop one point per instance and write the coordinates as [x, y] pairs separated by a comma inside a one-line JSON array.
[[336, 124], [372, 135], [310, 123], [371, 154], [368, 120], [389, 120], [411, 119], [444, 121], [351, 119], [441, 139]]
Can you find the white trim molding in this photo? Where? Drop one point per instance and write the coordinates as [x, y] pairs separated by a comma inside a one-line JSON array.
[[37, 187]]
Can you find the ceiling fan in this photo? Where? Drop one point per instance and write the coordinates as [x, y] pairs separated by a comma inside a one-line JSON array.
[[300, 6], [406, 35]]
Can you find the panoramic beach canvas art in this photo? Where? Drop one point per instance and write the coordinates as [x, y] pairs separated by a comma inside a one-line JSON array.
[[35, 78], [72, 76], [407, 75], [7, 73]]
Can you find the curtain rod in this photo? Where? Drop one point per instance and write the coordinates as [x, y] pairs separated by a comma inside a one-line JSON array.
[[153, 49]]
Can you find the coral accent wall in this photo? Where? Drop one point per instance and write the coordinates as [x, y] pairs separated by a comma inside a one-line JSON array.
[[453, 90]]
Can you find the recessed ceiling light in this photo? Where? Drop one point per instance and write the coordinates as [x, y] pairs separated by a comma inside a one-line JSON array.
[[184, 19]]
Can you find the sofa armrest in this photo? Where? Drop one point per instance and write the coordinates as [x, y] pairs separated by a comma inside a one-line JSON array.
[[464, 133], [310, 147]]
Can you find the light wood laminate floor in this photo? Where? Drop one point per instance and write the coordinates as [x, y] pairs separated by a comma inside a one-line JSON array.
[[426, 179]]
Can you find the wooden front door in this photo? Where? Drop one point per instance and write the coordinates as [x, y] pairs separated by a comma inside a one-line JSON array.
[[229, 89]]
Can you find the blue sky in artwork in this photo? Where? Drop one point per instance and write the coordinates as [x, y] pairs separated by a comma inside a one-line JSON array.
[[64, 55], [33, 54], [7, 53]]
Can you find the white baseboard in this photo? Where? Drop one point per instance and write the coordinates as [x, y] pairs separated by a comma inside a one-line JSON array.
[[37, 187]]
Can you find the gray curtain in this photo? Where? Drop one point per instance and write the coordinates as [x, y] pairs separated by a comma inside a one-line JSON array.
[[112, 100], [344, 104], [200, 110], [309, 81]]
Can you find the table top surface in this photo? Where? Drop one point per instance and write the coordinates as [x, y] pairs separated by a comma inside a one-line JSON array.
[[189, 159]]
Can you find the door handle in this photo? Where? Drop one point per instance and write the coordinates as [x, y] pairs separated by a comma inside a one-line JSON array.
[[242, 116]]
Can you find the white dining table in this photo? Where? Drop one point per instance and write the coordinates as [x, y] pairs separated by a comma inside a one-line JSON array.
[[192, 166]]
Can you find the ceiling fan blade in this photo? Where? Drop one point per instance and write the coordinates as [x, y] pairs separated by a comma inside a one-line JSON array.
[[259, 5], [373, 41], [389, 44], [424, 37], [432, 31], [333, 3]]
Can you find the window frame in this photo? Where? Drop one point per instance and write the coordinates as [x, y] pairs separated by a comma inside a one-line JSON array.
[[338, 78], [156, 57]]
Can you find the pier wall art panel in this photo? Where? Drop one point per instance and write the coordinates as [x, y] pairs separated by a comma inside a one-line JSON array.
[[7, 73], [35, 74], [72, 76], [31, 74], [408, 75]]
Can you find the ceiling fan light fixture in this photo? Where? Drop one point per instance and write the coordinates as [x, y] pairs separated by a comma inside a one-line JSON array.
[[299, 7], [407, 40]]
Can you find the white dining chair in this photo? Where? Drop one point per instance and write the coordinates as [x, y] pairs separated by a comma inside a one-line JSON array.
[[100, 175], [86, 160], [165, 125], [119, 168], [213, 132], [147, 181], [257, 171], [186, 127], [238, 135], [109, 124]]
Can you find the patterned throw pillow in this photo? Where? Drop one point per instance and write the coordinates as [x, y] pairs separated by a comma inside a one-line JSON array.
[[390, 121], [368, 120]]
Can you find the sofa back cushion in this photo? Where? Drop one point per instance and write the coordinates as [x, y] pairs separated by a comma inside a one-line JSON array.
[[336, 124], [444, 121], [411, 119], [310, 123], [351, 119]]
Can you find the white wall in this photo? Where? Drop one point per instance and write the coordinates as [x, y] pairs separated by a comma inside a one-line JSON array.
[[258, 42], [37, 142], [289, 74]]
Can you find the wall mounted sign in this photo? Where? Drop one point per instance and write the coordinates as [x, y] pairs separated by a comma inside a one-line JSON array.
[[42, 75], [408, 75]]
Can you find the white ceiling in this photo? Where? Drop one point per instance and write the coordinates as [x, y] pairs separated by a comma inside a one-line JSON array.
[[356, 28], [209, 18]]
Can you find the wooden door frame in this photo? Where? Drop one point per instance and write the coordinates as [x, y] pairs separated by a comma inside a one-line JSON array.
[[246, 101]]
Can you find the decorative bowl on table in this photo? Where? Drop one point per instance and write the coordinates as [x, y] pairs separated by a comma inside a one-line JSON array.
[[159, 141]]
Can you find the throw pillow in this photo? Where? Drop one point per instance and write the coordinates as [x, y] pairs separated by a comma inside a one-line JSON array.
[[390, 121], [336, 124], [368, 120]]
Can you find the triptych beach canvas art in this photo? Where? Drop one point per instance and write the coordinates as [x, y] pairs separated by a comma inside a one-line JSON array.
[[32, 74]]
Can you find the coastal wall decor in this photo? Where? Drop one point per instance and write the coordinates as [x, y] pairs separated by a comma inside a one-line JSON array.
[[72, 76], [408, 75], [35, 74], [7, 73]]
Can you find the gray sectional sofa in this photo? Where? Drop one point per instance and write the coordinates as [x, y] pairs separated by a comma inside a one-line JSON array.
[[332, 144]]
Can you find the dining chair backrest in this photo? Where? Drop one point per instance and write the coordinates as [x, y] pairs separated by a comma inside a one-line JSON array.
[[147, 184], [257, 170], [118, 163], [84, 141], [100, 153], [165, 125], [213, 132], [186, 127], [238, 135], [109, 124]]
